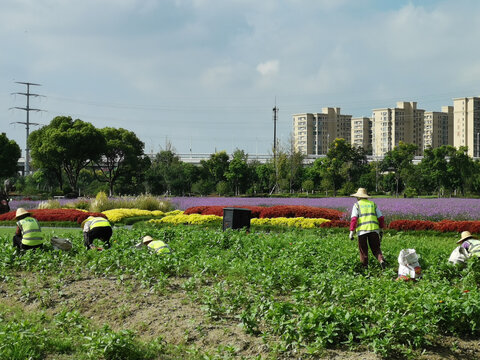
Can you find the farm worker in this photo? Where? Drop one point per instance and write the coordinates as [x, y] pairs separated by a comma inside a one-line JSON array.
[[367, 220], [96, 228], [156, 245], [28, 234], [469, 243]]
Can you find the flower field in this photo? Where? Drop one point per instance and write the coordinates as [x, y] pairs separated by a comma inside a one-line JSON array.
[[299, 293], [277, 215], [392, 208]]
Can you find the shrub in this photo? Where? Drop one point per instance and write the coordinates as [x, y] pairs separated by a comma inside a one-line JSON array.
[[49, 204], [100, 203]]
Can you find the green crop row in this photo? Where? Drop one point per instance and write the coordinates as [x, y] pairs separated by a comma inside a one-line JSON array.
[[303, 291]]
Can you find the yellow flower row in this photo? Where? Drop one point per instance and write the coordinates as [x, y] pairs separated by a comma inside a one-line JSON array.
[[299, 222], [198, 219], [193, 219], [116, 215]]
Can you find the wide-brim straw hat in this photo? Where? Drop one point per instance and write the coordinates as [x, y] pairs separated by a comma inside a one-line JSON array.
[[361, 193], [147, 239], [21, 212], [464, 236]]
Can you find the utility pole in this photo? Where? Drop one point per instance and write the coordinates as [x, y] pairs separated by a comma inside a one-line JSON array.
[[27, 124], [275, 111]]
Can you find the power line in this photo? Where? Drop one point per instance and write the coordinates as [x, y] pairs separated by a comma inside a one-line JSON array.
[[27, 124]]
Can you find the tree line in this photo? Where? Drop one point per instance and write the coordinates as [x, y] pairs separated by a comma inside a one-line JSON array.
[[72, 157]]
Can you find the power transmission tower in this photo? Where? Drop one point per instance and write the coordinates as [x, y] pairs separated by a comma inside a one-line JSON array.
[[27, 124]]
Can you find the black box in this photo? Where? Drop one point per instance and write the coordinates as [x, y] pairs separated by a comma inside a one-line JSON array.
[[236, 218]]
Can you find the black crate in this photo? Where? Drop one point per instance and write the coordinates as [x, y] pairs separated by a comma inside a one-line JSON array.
[[236, 218]]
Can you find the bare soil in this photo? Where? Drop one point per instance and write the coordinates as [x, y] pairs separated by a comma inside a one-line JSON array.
[[174, 316]]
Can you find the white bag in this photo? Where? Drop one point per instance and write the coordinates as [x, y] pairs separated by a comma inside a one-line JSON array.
[[459, 255], [408, 265], [61, 244]]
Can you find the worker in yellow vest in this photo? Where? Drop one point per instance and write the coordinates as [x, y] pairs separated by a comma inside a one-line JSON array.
[[368, 222], [156, 245], [96, 228], [28, 234]]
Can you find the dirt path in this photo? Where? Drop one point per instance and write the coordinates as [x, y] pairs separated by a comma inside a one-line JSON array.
[[173, 316]]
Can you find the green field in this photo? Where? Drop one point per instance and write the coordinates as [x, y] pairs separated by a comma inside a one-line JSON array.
[[224, 295]]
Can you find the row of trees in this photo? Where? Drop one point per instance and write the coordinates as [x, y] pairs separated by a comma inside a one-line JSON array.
[[72, 156]]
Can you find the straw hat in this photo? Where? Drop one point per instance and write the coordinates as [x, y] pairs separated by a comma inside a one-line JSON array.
[[21, 212], [146, 239], [464, 236], [361, 193]]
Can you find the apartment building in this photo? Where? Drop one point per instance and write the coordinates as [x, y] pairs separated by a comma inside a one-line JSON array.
[[466, 124], [361, 135], [392, 125], [313, 132], [438, 128]]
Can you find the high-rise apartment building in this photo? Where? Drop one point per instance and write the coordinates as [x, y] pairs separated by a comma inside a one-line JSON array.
[[362, 133], [392, 125], [313, 132], [438, 128], [466, 124]]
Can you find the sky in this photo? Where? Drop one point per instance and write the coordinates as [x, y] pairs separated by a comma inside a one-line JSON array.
[[202, 76]]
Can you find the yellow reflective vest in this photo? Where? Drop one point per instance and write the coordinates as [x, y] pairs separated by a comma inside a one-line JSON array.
[[98, 222], [159, 247], [31, 232], [367, 216]]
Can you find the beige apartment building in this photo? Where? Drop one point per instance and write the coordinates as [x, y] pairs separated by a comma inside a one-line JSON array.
[[313, 132], [438, 128], [392, 125], [362, 133], [466, 124]]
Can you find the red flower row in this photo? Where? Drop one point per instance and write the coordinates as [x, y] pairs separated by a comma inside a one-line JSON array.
[[273, 211], [442, 226], [73, 215]]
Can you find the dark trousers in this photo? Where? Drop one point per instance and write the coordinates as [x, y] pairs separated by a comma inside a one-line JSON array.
[[17, 242], [103, 233], [371, 239]]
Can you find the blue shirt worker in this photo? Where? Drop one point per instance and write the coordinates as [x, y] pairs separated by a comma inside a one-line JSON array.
[[96, 228], [367, 220], [156, 245], [28, 234]]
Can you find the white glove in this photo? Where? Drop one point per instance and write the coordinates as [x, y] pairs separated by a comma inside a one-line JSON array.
[[351, 236]]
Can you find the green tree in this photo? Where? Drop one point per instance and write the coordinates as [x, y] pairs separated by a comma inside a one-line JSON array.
[[296, 170], [433, 169], [213, 170], [308, 186], [9, 154], [238, 172], [399, 162], [460, 168], [122, 148], [343, 165], [66, 144], [168, 174], [265, 177]]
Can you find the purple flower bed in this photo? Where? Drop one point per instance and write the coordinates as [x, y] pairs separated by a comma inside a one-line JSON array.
[[419, 209]]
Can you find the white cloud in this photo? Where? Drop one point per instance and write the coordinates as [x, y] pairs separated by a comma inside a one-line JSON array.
[[268, 68]]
